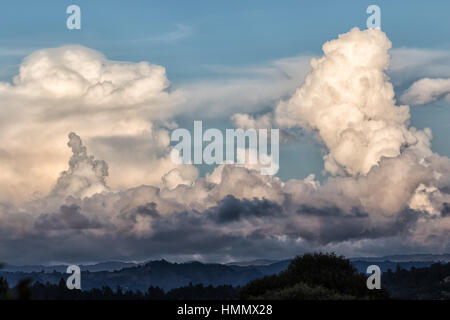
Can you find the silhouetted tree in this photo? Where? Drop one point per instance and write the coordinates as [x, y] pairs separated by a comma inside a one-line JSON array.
[[4, 287], [314, 276]]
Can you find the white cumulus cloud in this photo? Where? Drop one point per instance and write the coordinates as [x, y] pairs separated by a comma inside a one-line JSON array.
[[427, 90], [119, 109]]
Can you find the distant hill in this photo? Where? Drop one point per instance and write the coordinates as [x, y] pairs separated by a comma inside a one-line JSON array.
[[102, 266], [161, 273], [362, 265], [258, 262], [404, 261], [264, 269], [445, 258]]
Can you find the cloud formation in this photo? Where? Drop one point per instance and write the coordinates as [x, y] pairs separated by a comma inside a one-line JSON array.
[[121, 197], [233, 213], [120, 109], [349, 101], [85, 177]]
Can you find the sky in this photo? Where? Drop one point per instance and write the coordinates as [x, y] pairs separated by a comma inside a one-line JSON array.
[[134, 72]]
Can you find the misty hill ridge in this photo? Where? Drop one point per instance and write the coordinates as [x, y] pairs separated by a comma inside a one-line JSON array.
[[408, 258], [161, 273], [101, 266], [118, 265]]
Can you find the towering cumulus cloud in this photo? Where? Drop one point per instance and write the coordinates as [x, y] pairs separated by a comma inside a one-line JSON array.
[[386, 191], [348, 99], [85, 177], [119, 109]]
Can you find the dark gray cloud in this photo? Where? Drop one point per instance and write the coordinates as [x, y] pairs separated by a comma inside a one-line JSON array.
[[231, 209], [445, 209], [69, 217], [232, 229], [331, 211]]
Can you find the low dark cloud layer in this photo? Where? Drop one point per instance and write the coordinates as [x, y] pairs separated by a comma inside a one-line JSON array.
[[232, 229]]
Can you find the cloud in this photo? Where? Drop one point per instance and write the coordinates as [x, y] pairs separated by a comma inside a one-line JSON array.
[[120, 110], [131, 223], [424, 73], [246, 89], [427, 90], [181, 32], [85, 177], [410, 64], [231, 209], [348, 100], [245, 121], [241, 214], [68, 217]]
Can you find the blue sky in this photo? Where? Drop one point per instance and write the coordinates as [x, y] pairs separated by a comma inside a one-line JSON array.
[[192, 38], [184, 36]]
